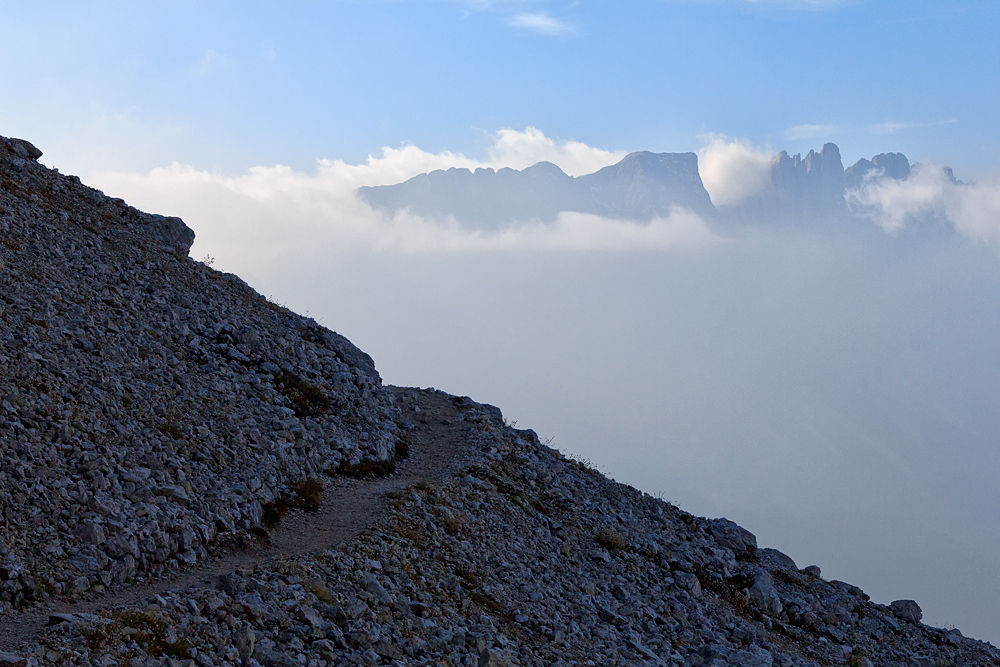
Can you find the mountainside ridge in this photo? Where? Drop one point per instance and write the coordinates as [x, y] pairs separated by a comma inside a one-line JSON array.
[[641, 186], [155, 413]]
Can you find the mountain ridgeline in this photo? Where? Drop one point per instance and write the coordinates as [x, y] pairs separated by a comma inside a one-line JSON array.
[[641, 186]]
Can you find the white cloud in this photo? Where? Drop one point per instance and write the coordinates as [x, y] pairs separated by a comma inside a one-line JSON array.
[[273, 212], [539, 22], [522, 149], [893, 127], [931, 194], [800, 132], [209, 63], [733, 170]]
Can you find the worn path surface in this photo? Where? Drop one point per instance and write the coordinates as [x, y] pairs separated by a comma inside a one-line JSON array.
[[347, 507]]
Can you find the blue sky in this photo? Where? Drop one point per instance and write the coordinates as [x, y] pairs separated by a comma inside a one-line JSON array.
[[224, 86]]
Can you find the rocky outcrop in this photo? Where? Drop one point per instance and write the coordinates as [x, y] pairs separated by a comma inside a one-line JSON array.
[[887, 165], [643, 185], [800, 191], [149, 405]]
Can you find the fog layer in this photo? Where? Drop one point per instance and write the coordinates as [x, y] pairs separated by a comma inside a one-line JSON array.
[[832, 388]]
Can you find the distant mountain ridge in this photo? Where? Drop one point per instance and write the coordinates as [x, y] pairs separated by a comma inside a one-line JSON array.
[[643, 185]]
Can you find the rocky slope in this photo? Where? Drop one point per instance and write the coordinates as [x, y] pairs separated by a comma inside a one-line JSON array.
[[149, 404], [158, 414]]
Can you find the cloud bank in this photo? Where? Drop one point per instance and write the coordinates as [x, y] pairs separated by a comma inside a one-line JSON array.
[[276, 209], [932, 196]]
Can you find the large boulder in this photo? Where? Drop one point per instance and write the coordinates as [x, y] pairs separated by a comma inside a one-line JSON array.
[[731, 536], [907, 610], [23, 149], [175, 237]]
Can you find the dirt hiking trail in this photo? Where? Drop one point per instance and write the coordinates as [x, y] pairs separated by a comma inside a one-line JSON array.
[[347, 507]]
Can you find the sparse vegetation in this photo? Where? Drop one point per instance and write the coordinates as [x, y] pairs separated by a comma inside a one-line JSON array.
[[365, 469], [610, 539], [453, 524], [307, 399], [322, 593], [305, 496], [402, 448], [171, 429], [147, 628]]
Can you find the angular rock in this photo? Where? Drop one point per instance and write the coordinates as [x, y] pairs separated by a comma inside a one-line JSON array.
[[907, 610], [732, 536]]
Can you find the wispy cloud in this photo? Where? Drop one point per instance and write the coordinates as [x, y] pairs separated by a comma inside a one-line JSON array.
[[893, 127], [209, 63], [541, 23], [520, 149], [800, 132]]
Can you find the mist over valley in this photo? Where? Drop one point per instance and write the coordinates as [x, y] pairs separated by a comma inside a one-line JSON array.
[[806, 349]]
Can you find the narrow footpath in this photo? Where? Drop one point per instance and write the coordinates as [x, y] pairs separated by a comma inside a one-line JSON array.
[[347, 507]]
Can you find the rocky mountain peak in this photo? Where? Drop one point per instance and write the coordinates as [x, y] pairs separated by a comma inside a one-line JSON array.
[[642, 185], [889, 165]]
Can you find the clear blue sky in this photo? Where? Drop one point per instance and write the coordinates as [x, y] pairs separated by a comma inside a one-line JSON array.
[[227, 85]]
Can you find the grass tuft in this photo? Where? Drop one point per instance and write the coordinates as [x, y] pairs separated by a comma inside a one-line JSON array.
[[305, 496], [610, 539], [366, 469], [307, 399]]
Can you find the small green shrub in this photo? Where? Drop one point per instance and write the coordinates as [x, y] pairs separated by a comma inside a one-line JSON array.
[[307, 495], [171, 429], [150, 632], [402, 448], [610, 539]]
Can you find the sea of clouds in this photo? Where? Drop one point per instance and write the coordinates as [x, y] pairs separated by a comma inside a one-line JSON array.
[[832, 388]]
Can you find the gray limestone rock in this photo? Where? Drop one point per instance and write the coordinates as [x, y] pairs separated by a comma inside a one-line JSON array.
[[732, 536], [765, 594], [907, 610], [175, 237], [24, 149], [773, 559]]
